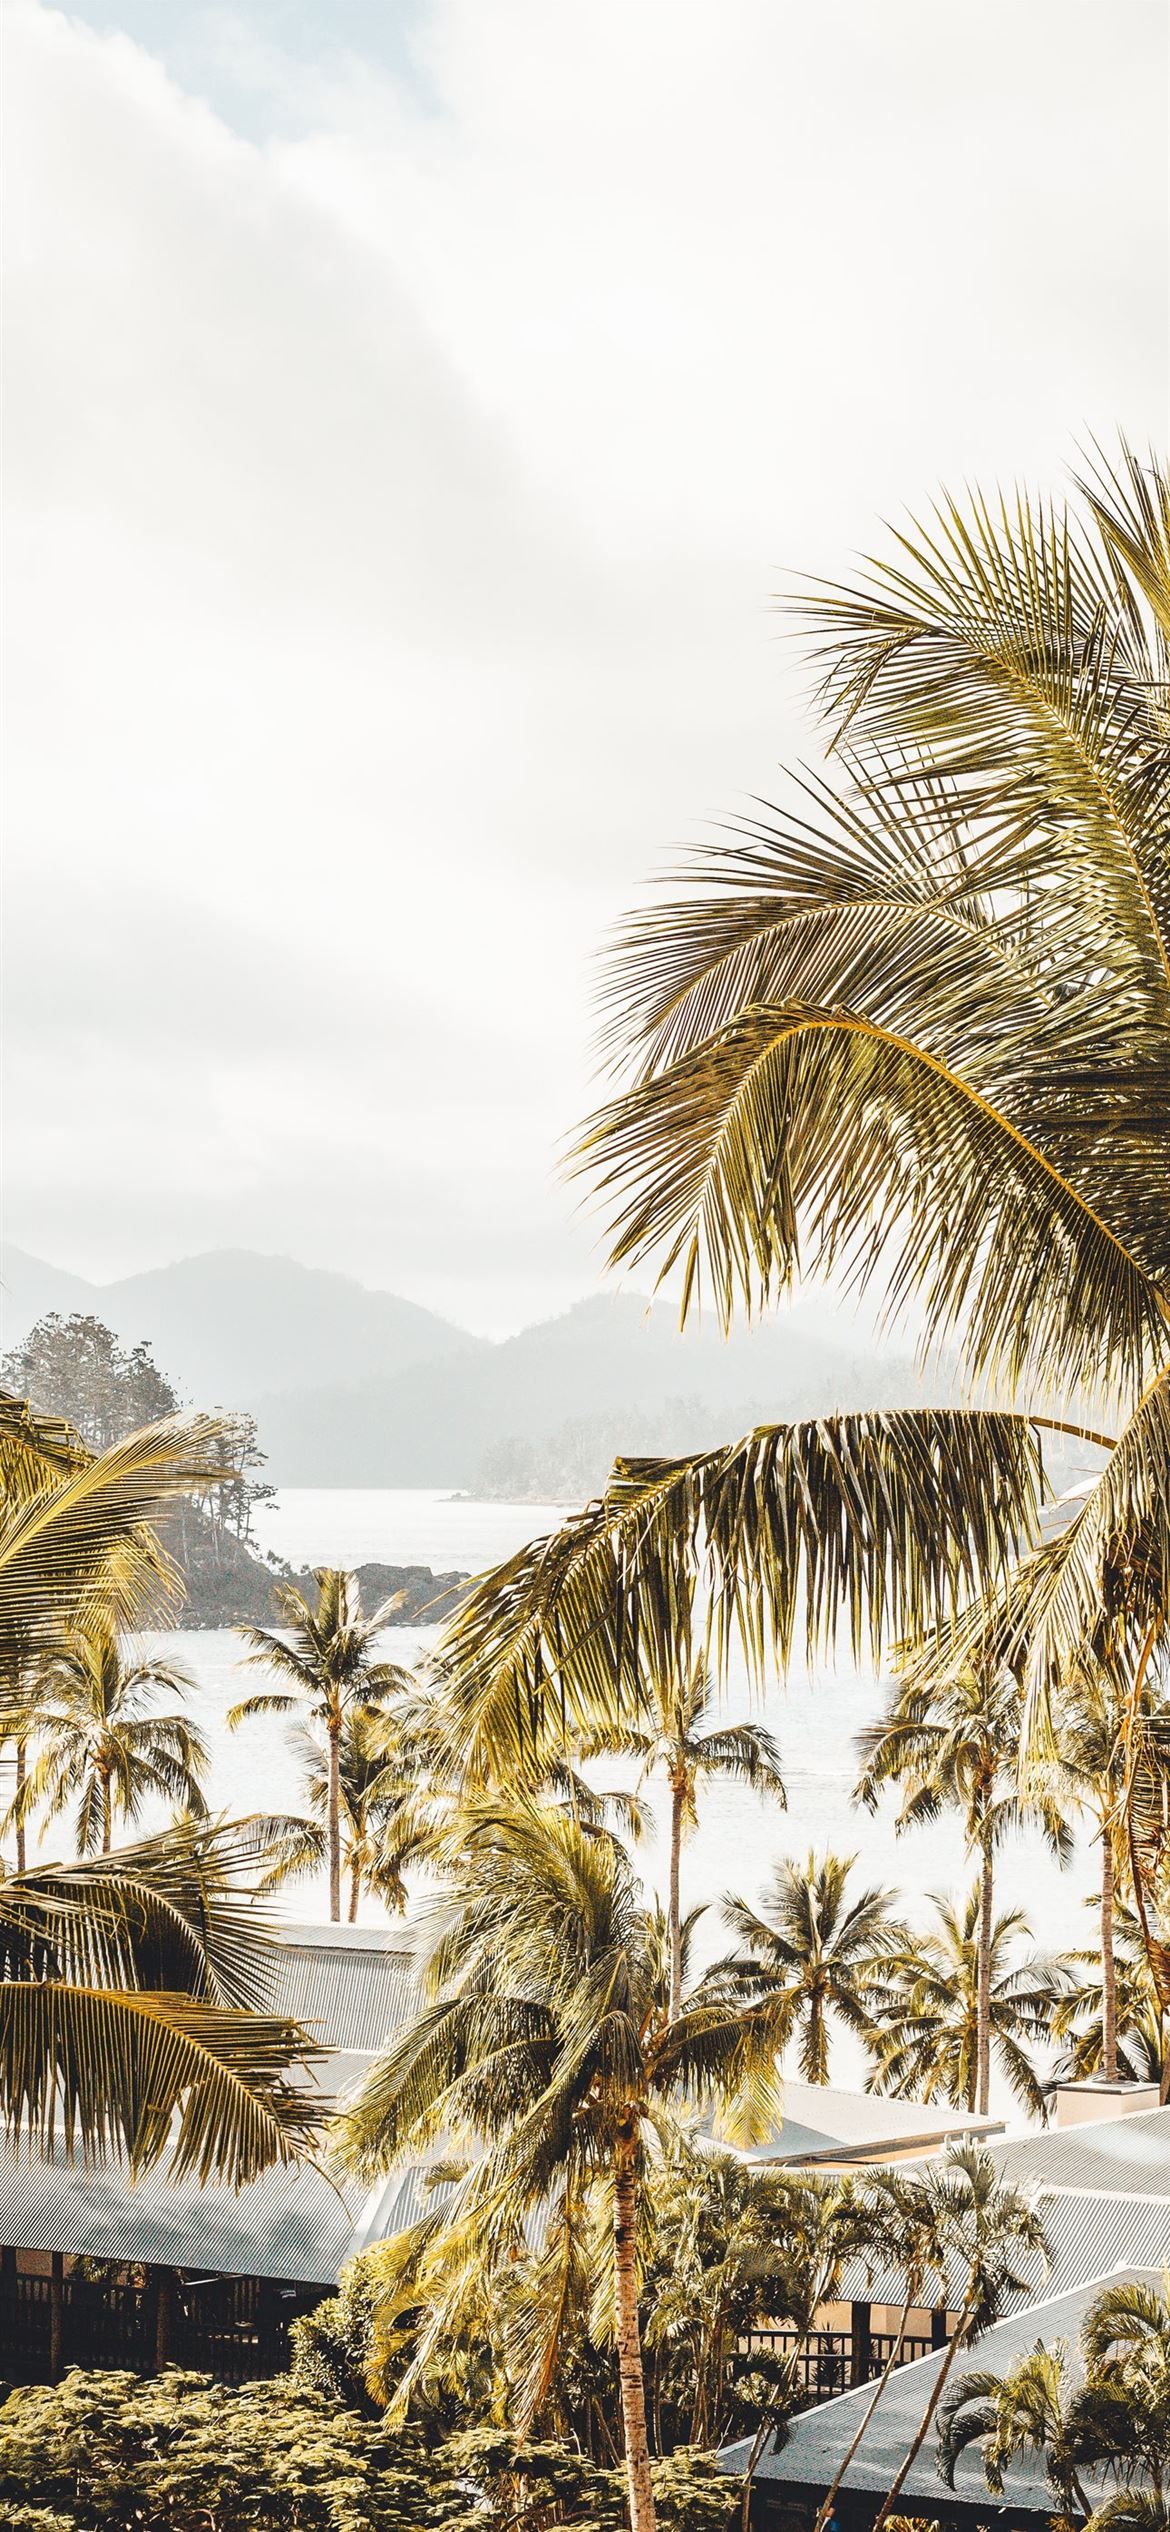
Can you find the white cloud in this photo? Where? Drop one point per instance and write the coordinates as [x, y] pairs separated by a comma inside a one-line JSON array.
[[395, 502]]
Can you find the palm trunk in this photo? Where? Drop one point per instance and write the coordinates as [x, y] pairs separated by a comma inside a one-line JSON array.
[[1108, 1961], [629, 2346], [21, 1831], [927, 2420], [335, 1820], [676, 1827], [982, 2100], [830, 2498], [355, 1891], [56, 2316], [107, 1820], [164, 2317]]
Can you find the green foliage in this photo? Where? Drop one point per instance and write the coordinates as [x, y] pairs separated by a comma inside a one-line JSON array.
[[181, 2453]]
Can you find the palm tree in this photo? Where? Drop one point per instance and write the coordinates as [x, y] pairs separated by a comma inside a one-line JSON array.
[[913, 1032], [927, 2014], [547, 2047], [989, 2228], [956, 1743], [682, 1739], [1024, 2411], [1092, 1764], [102, 1744], [328, 1656], [132, 1990], [813, 1950], [383, 1825], [1086, 2005]]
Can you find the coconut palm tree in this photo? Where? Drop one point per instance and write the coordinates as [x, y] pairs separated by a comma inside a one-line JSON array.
[[327, 1655], [681, 1738], [926, 2039], [1079, 2010], [1092, 1762], [997, 2241], [913, 1032], [812, 1951], [955, 1744], [383, 1824], [547, 2049], [100, 1742]]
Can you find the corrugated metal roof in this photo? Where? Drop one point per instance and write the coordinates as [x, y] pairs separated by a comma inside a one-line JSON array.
[[291, 2223], [1131, 2153], [817, 2440], [823, 2123], [351, 1985], [1087, 2233]]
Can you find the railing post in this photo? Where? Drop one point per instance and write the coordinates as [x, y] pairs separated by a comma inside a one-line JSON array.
[[939, 2333], [56, 2315], [861, 2350]]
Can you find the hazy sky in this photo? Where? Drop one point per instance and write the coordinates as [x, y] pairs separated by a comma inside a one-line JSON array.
[[411, 413]]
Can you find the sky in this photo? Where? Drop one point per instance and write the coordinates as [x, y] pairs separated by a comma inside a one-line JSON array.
[[412, 414]]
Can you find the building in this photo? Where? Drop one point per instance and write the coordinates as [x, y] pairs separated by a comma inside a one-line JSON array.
[[1103, 2191]]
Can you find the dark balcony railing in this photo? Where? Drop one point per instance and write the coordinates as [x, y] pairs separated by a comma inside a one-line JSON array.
[[829, 2361], [234, 2327]]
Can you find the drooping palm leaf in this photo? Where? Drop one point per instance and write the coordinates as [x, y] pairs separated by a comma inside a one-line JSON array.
[[75, 1545]]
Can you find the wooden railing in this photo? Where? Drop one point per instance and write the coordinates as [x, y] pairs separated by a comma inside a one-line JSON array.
[[828, 2361], [234, 2327]]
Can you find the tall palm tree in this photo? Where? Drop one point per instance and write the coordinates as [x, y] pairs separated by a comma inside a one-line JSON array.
[[926, 2039], [327, 1654], [681, 1738], [912, 1031], [996, 2240], [813, 1951], [384, 1825], [956, 1743], [1092, 1764], [132, 2021], [1088, 2007], [100, 1742], [547, 2047]]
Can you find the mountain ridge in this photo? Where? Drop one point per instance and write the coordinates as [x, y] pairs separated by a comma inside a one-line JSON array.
[[371, 1390]]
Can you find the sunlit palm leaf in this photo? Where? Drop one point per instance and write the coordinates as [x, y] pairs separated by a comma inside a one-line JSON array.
[[75, 1545]]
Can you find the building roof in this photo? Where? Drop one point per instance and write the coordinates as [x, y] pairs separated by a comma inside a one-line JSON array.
[[347, 1983], [817, 2439], [823, 2124], [291, 2223], [1102, 2192]]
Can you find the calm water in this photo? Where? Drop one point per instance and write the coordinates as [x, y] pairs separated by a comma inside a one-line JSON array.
[[815, 1718]]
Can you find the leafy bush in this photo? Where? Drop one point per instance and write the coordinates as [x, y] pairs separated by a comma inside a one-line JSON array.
[[181, 2453]]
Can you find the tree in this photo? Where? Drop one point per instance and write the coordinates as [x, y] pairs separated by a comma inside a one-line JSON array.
[[926, 2036], [682, 1739], [101, 1743], [547, 2046], [956, 1743], [328, 1655], [811, 1952], [1116, 2416], [912, 1032], [383, 1824], [1079, 2010], [989, 2228], [76, 1368]]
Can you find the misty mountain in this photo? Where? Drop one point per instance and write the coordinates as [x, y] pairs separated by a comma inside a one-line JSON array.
[[358, 1388], [568, 1393], [232, 1327]]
